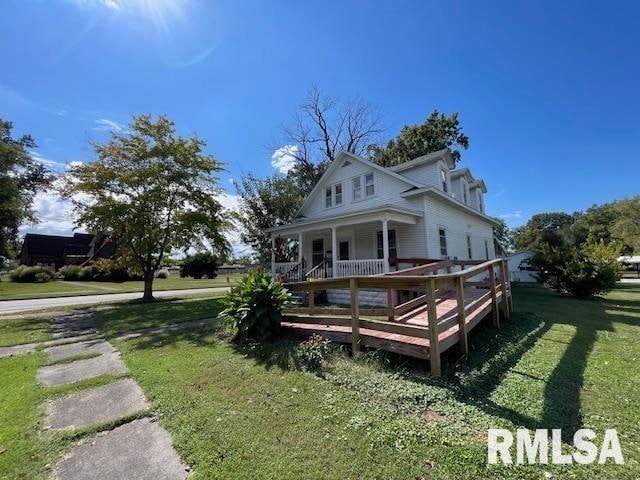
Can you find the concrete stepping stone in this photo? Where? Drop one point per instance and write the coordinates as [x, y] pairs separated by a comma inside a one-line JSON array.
[[166, 328], [15, 350], [71, 339], [110, 402], [107, 363], [140, 449], [60, 352]]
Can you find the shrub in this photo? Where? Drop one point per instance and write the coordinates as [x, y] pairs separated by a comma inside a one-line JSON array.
[[584, 271], [253, 308], [202, 264], [314, 351], [24, 274], [75, 272], [111, 270], [164, 273]]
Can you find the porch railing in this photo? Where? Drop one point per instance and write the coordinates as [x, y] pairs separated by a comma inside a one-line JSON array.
[[351, 268], [290, 271]]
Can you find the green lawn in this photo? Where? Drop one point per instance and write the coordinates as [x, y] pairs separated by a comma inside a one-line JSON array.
[[60, 288], [253, 412]]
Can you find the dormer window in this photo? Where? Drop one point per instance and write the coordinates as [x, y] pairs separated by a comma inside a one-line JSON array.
[[445, 186], [465, 192]]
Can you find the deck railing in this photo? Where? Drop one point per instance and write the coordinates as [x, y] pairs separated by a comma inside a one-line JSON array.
[[421, 280], [353, 268], [289, 271]]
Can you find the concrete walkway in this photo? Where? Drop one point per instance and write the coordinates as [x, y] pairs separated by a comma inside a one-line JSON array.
[[138, 448], [13, 306]]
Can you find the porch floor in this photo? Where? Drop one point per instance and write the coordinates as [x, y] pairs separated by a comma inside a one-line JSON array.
[[446, 307]]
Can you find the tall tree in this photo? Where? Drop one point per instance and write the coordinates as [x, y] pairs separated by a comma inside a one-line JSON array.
[[552, 229], [503, 234], [439, 131], [153, 191], [20, 179], [626, 227], [264, 204], [324, 126]]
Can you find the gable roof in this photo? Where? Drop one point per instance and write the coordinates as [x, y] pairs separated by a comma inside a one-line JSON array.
[[462, 172], [344, 155], [443, 154], [479, 183]]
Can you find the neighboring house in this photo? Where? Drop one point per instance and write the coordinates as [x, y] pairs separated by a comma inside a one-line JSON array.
[[361, 215], [519, 268], [631, 261], [234, 268], [56, 251]]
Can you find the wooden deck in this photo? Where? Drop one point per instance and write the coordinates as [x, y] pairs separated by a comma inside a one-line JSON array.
[[406, 329]]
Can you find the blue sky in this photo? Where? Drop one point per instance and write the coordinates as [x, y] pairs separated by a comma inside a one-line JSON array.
[[547, 91]]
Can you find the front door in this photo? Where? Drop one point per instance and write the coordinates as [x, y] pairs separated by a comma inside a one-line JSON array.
[[317, 251], [343, 250]]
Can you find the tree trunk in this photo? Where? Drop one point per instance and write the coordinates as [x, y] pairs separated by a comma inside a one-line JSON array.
[[148, 288]]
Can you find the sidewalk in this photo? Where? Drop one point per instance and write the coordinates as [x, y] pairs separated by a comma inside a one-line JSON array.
[[16, 306]]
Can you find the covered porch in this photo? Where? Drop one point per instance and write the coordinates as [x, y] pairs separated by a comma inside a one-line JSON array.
[[350, 244]]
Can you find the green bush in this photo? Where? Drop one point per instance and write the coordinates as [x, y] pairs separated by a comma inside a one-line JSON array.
[[164, 273], [202, 264], [75, 272], [585, 271], [253, 308], [314, 352], [25, 274]]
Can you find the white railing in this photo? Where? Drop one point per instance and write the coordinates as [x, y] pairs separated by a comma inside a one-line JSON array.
[[350, 268], [289, 271]]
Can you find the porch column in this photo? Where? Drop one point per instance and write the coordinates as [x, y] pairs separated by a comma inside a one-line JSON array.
[[273, 255], [385, 243], [300, 248], [334, 252]]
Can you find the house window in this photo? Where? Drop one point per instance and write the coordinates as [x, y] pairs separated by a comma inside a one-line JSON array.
[[443, 174], [338, 194], [469, 251], [480, 203], [357, 188], [343, 250], [442, 233], [465, 189], [327, 197], [393, 248], [369, 188], [486, 248]]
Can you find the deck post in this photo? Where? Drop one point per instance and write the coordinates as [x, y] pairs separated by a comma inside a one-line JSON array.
[[494, 299], [385, 244], [312, 302], [462, 321], [355, 316], [432, 319], [334, 252], [503, 285], [390, 304]]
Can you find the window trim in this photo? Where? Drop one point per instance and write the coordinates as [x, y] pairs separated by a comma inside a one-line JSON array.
[[380, 250], [446, 242]]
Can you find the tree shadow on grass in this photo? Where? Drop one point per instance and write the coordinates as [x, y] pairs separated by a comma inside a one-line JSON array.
[[496, 353]]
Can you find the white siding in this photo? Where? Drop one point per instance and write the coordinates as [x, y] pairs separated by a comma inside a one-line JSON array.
[[457, 224], [428, 174], [387, 192]]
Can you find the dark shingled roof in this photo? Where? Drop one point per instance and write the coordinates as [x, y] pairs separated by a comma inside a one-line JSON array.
[[55, 245]]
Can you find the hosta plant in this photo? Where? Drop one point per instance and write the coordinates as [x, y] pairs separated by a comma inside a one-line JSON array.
[[253, 308]]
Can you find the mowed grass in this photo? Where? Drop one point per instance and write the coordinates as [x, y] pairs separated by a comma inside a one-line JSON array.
[[24, 330], [60, 288], [559, 363], [253, 412]]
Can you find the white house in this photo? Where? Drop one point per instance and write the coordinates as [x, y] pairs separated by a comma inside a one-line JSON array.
[[360, 215], [519, 268]]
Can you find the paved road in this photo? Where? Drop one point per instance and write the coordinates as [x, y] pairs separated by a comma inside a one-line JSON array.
[[15, 306]]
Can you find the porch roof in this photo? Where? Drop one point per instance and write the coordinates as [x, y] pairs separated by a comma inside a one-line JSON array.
[[390, 212]]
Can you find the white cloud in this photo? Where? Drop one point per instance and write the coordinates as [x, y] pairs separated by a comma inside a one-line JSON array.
[[112, 4], [514, 214], [284, 158], [39, 158], [53, 214], [231, 181], [105, 125]]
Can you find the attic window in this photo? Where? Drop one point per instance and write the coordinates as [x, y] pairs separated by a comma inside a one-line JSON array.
[[346, 163]]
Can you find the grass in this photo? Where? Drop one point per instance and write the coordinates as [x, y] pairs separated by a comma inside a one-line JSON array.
[[254, 412], [24, 330], [60, 288]]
